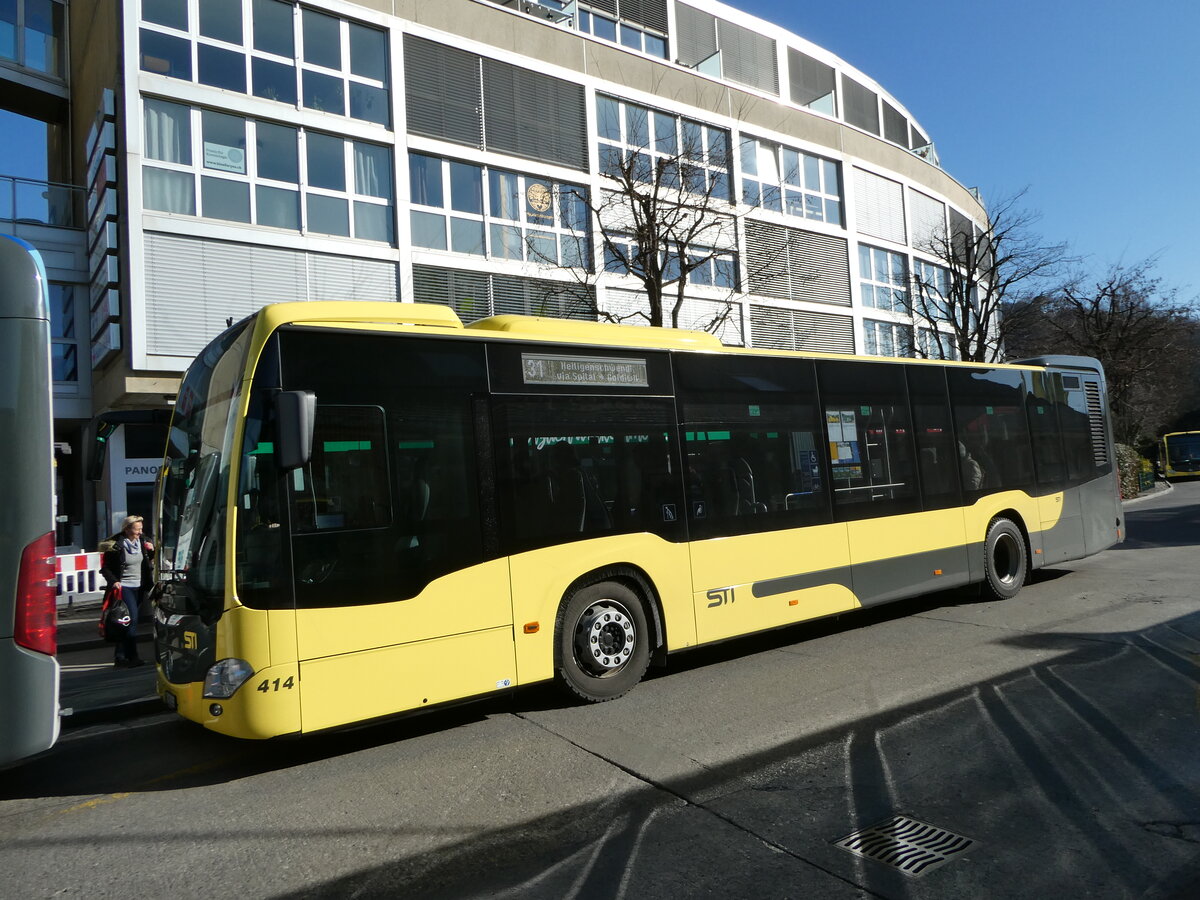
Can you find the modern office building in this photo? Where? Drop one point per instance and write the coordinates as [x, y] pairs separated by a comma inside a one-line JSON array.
[[230, 153]]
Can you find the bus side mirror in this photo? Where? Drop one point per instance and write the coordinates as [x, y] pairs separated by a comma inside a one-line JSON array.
[[295, 414]]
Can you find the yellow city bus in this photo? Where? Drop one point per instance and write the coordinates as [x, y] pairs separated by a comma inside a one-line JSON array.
[[1179, 454], [369, 509]]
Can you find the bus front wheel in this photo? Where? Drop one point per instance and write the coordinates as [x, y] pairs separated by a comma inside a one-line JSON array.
[[1005, 560], [603, 641]]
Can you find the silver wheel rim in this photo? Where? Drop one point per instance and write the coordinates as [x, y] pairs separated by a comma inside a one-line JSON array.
[[605, 638], [1006, 558]]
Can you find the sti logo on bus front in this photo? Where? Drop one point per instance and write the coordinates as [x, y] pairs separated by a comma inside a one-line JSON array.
[[720, 596], [190, 642]]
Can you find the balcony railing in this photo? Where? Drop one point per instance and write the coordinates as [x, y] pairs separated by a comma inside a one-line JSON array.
[[25, 200]]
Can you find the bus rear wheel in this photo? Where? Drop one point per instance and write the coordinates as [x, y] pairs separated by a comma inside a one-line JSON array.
[[1005, 560], [603, 641]]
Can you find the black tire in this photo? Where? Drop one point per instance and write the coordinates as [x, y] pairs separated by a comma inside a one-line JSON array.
[[1005, 560], [603, 641]]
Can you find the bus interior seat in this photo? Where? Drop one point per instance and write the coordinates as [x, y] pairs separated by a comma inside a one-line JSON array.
[[747, 503], [565, 489], [412, 495]]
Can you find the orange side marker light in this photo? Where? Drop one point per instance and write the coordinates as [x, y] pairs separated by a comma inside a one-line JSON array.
[[793, 603], [532, 627]]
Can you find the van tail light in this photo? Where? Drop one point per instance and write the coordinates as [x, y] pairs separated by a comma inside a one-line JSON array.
[[35, 626]]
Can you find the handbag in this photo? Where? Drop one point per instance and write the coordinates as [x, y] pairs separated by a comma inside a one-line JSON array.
[[114, 615]]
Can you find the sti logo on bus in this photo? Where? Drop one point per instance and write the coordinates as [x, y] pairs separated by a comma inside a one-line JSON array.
[[189, 640], [720, 597]]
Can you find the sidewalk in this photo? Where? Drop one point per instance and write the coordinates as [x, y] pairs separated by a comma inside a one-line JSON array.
[[91, 688], [1160, 486]]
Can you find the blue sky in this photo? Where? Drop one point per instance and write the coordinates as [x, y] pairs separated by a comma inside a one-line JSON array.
[[1094, 105]]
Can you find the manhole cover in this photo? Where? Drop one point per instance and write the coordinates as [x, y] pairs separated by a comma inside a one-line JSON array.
[[906, 844]]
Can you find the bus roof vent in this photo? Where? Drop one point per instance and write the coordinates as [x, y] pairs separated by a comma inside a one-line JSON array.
[[539, 328]]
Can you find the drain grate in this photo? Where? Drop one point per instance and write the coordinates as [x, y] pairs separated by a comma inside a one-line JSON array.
[[906, 844]]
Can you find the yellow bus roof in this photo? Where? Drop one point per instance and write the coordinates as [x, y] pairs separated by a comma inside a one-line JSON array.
[[389, 315]]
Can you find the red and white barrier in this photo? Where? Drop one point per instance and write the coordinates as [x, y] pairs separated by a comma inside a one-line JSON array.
[[78, 578]]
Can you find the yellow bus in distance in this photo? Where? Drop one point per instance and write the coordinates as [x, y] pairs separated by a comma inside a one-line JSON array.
[[1179, 454], [368, 508]]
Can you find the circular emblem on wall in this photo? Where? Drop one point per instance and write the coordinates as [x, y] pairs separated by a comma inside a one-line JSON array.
[[538, 197]]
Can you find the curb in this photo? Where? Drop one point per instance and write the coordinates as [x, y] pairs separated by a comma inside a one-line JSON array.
[[1148, 494], [130, 709]]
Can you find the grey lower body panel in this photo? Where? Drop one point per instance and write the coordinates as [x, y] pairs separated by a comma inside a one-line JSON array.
[[882, 581], [28, 701]]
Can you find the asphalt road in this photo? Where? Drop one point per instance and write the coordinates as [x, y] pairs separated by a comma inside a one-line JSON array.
[[1057, 732]]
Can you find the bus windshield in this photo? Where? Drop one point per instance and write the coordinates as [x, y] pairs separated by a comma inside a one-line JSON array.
[[1183, 448], [196, 476]]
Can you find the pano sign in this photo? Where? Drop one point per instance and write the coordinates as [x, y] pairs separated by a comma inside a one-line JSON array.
[[142, 469]]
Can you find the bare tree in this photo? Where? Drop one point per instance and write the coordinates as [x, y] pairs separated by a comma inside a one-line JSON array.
[[661, 219], [1147, 338], [664, 216], [979, 278]]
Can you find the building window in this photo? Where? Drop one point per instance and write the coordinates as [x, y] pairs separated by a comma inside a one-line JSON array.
[[265, 173], [32, 34], [64, 343], [679, 152], [887, 338], [936, 345], [800, 184], [273, 50], [931, 287], [483, 211], [709, 267], [883, 277], [606, 27]]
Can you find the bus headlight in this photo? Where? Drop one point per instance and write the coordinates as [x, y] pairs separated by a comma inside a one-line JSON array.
[[226, 677]]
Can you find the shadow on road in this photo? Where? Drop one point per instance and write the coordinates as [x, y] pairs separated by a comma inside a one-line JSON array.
[[1085, 746], [1171, 521]]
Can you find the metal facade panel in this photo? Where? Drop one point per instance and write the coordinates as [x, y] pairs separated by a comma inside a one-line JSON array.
[[542, 297], [748, 57], [720, 317], [793, 264], [795, 329], [467, 293], [928, 217], [861, 105], [651, 13], [534, 116], [442, 92], [194, 286], [696, 40], [349, 278], [176, 315], [809, 79], [880, 206]]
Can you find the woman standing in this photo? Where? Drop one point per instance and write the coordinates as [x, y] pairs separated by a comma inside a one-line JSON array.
[[126, 560]]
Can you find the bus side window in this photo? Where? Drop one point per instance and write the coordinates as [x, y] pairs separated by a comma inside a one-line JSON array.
[[933, 428], [345, 485], [569, 468], [1042, 401], [989, 414], [870, 439]]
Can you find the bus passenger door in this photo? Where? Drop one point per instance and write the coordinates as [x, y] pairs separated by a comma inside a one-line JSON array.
[[397, 606]]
